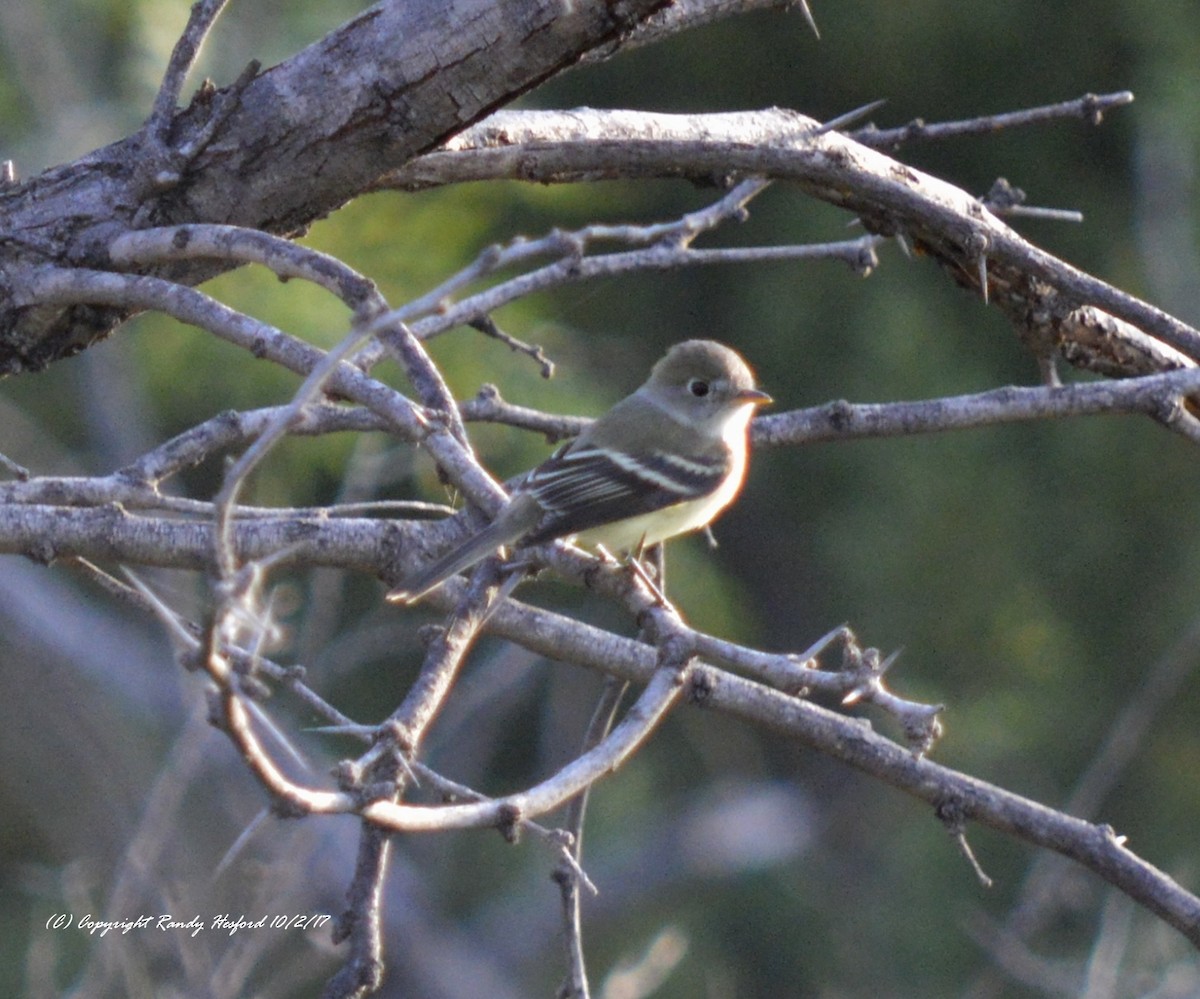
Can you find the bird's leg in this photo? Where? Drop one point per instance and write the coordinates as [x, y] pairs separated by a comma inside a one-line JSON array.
[[659, 553], [642, 570], [633, 562], [519, 565]]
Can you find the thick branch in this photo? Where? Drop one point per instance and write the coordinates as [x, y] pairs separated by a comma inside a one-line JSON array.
[[1054, 305], [291, 144]]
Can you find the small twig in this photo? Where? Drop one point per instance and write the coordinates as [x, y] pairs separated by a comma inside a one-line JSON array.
[[239, 844], [18, 472], [234, 243], [1005, 200], [1090, 107], [423, 375], [839, 123], [204, 14], [230, 431], [487, 326], [567, 874], [682, 231], [182, 638], [960, 837], [489, 407], [113, 586], [808, 16], [661, 256], [361, 922], [277, 734], [1033, 212], [162, 167]]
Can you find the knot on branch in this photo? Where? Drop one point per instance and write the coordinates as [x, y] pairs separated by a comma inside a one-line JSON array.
[[1002, 195], [347, 775], [427, 634], [395, 735], [952, 812], [42, 552], [840, 415], [287, 808], [865, 670], [1110, 836], [700, 686], [1091, 109], [508, 822], [865, 259]]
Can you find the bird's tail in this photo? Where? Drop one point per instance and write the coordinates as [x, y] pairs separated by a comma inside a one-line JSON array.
[[500, 532]]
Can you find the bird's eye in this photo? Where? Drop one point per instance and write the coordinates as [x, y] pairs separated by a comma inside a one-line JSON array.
[[698, 387]]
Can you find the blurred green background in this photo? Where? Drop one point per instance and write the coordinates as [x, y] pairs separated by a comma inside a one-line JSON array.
[[1034, 575]]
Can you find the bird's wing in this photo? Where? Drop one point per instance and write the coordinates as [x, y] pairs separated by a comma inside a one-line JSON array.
[[582, 486]]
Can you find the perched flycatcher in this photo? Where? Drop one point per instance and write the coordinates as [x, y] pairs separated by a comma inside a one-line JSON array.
[[663, 461]]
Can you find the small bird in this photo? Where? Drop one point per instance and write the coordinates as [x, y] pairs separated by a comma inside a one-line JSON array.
[[663, 461]]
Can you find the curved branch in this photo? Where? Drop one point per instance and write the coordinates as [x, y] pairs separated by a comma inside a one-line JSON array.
[[662, 692], [54, 284], [1055, 306]]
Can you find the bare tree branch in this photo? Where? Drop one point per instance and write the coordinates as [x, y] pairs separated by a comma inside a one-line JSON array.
[[203, 15], [1055, 306], [406, 92], [1091, 108], [840, 737], [396, 80]]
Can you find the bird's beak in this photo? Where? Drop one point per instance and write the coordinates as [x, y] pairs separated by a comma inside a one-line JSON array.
[[755, 397]]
